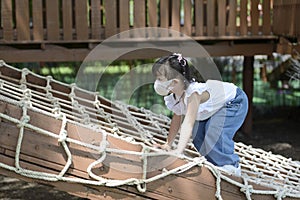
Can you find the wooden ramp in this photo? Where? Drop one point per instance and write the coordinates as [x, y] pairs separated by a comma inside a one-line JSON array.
[[89, 146]]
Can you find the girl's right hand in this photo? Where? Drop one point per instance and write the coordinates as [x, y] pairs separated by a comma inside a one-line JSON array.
[[165, 146]]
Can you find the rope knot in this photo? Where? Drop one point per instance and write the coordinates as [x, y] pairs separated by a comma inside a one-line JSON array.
[[24, 120], [62, 136], [2, 63]]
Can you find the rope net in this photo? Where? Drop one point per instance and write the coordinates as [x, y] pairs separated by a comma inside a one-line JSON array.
[[33, 96]]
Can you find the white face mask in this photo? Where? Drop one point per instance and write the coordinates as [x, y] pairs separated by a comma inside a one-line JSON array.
[[162, 87]]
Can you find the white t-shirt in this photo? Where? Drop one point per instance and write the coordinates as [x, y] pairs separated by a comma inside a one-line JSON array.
[[219, 94]]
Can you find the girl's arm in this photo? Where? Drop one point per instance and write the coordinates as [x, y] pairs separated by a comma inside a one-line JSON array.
[[188, 122], [174, 127]]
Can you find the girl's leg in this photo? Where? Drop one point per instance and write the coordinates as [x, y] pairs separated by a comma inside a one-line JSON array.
[[199, 133], [218, 145]]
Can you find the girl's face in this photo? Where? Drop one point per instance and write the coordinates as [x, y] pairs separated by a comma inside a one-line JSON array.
[[174, 85]]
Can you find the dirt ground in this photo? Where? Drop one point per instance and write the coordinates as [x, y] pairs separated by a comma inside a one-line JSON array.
[[275, 130]]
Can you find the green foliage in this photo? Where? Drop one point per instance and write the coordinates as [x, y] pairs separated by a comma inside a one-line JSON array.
[[145, 96]]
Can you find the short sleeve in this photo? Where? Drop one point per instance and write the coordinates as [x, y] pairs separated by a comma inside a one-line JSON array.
[[195, 87]]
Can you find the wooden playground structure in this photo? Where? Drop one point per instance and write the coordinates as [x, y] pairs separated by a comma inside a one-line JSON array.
[[95, 148], [54, 30]]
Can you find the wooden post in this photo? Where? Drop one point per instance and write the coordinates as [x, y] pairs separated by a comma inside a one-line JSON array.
[[248, 72]]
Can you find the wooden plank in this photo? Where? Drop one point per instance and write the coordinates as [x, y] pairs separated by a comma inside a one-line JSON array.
[[221, 17], [232, 17], [287, 17], [193, 184], [110, 18], [266, 7], [152, 13], [96, 19], [277, 12], [243, 17], [199, 17], [292, 23], [67, 19], [211, 17], [254, 17], [52, 18], [7, 19], [164, 16], [81, 21], [48, 150], [171, 187], [139, 18], [37, 20], [297, 25], [187, 24], [153, 17], [80, 190], [124, 17], [175, 16], [139, 14], [22, 20]]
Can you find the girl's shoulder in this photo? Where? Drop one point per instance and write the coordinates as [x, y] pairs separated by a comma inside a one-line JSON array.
[[195, 87]]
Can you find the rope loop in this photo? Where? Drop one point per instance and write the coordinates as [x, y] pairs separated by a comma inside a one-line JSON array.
[[141, 187]]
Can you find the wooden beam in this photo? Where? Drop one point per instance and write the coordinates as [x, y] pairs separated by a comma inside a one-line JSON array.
[[55, 53], [248, 73], [51, 53]]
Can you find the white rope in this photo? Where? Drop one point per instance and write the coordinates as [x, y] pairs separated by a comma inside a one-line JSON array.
[[276, 172]]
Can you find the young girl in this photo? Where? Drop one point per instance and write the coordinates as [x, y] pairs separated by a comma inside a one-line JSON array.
[[213, 112]]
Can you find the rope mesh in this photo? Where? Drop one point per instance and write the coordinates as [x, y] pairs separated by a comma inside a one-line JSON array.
[[70, 104]]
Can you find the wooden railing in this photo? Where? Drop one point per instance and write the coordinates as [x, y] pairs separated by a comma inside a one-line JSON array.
[[286, 18], [95, 20]]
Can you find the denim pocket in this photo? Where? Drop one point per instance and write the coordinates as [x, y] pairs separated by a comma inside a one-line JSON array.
[[233, 104]]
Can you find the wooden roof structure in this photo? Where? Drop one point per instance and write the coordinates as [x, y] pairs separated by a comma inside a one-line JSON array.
[[82, 143], [53, 30]]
